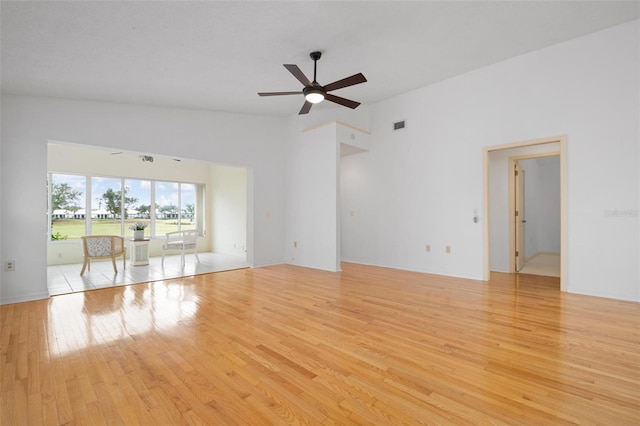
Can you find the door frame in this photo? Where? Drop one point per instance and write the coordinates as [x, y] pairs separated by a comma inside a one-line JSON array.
[[512, 203], [516, 213], [562, 141]]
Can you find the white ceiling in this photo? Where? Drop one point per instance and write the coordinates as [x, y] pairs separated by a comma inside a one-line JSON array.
[[218, 55]]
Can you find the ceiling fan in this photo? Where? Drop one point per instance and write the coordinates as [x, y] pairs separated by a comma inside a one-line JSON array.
[[314, 92]]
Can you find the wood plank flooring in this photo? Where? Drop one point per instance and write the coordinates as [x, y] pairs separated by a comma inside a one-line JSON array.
[[289, 345]]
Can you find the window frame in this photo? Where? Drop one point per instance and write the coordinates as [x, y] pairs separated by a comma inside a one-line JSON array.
[[199, 204]]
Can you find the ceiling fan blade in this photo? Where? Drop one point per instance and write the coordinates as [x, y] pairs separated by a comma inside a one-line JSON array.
[[305, 108], [297, 73], [342, 101], [346, 82], [279, 93]]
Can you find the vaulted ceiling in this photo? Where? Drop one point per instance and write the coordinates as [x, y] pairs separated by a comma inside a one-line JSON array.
[[218, 55]]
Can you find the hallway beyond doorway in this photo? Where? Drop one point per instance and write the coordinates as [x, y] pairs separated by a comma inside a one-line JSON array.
[[547, 264]]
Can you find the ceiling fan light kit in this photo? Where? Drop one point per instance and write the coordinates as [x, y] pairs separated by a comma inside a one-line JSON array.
[[315, 95], [314, 92]]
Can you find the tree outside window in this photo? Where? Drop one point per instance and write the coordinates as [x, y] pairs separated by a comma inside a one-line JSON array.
[[106, 214], [109, 205], [66, 206], [175, 207], [187, 206]]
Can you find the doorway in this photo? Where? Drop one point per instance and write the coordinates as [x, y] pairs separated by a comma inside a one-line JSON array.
[[215, 199], [534, 197], [491, 218]]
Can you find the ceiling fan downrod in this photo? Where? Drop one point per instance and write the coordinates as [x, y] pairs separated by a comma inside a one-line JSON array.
[[315, 56]]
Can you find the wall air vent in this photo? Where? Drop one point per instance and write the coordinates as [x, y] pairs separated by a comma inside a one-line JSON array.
[[399, 125]]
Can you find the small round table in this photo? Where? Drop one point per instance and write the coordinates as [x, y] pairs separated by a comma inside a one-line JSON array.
[[139, 249]]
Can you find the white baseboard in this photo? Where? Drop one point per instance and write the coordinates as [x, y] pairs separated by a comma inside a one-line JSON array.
[[548, 253], [24, 298]]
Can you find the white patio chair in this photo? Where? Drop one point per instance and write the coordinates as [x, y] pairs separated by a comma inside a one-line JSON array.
[[181, 240]]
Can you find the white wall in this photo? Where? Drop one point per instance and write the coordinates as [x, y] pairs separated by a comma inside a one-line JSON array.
[[529, 169], [29, 122], [229, 204], [542, 205], [421, 184], [3, 259], [312, 203], [549, 205]]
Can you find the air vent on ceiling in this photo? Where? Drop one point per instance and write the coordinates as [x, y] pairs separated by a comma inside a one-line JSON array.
[[398, 125]]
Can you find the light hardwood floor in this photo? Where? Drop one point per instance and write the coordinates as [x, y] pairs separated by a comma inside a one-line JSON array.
[[283, 344]]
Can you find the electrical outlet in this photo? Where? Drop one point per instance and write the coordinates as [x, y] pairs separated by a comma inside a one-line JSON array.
[[10, 265], [427, 248], [447, 249]]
